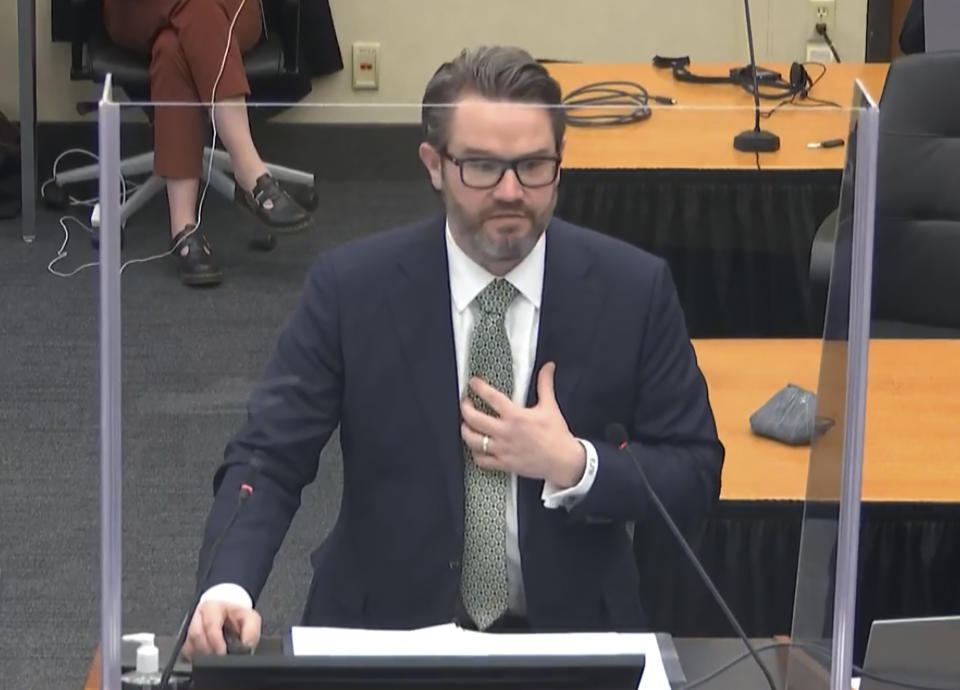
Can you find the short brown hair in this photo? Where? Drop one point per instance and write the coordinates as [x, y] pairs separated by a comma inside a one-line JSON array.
[[493, 72]]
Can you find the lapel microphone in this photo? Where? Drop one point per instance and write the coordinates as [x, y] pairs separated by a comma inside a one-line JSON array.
[[254, 465], [617, 435]]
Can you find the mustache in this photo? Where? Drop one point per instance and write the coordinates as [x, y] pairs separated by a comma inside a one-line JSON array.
[[504, 208]]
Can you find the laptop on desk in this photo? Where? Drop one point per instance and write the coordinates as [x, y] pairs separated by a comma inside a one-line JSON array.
[[922, 651]]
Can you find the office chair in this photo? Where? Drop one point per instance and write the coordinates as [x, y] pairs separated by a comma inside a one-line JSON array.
[[268, 64], [916, 276]]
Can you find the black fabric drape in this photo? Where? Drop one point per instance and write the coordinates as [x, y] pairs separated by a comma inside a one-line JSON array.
[[909, 566], [737, 241]]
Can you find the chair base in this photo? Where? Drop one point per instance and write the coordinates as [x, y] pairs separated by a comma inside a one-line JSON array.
[[218, 174]]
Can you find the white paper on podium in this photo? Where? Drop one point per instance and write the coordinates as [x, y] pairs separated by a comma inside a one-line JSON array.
[[451, 640]]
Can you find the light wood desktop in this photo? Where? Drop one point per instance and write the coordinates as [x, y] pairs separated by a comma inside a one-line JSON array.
[[912, 440], [698, 132]]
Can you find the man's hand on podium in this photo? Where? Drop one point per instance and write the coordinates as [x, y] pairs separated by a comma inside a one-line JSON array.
[[212, 617]]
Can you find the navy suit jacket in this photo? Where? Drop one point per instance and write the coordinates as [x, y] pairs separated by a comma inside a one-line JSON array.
[[370, 348]]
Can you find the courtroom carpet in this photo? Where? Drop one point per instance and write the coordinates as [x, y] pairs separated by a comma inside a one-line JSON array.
[[190, 358]]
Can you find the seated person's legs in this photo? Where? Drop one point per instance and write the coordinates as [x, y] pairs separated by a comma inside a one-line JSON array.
[[202, 28], [186, 40], [179, 134]]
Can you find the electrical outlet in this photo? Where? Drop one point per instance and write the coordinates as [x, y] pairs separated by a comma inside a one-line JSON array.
[[823, 12], [366, 66]]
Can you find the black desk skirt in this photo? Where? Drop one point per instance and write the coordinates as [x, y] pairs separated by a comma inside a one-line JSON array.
[[737, 241], [909, 566]]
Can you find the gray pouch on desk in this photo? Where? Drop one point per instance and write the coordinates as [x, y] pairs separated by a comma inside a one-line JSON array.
[[788, 416]]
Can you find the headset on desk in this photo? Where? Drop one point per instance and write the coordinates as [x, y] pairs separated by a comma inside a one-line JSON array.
[[771, 84]]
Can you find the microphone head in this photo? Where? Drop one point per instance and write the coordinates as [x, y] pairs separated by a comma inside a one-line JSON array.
[[616, 434]]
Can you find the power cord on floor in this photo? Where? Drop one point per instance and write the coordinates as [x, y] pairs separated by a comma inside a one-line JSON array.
[[612, 95], [125, 188], [61, 254], [824, 656]]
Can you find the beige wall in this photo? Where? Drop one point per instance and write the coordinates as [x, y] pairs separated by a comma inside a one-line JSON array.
[[416, 35]]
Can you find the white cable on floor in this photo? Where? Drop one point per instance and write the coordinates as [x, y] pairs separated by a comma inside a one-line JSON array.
[[125, 187]]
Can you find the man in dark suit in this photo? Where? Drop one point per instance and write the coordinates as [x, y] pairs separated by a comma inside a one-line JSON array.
[[472, 363]]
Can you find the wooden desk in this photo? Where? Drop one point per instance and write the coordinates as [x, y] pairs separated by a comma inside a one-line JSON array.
[[679, 138], [912, 443]]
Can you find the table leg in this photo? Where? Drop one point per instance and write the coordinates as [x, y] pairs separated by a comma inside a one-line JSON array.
[[27, 64]]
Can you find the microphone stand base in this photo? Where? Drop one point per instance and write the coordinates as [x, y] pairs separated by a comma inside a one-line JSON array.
[[756, 140]]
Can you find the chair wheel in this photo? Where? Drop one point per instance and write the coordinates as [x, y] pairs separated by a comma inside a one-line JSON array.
[[308, 197], [54, 196]]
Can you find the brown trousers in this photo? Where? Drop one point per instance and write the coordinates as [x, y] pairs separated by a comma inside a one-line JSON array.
[[185, 40]]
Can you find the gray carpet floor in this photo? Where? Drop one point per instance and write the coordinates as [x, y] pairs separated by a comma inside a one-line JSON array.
[[190, 358]]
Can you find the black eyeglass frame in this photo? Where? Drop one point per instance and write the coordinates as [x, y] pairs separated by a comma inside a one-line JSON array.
[[505, 164]]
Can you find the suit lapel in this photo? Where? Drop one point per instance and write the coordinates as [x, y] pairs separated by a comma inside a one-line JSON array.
[[573, 298], [569, 313], [421, 311]]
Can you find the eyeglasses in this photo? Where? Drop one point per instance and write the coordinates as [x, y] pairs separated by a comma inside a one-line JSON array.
[[486, 173]]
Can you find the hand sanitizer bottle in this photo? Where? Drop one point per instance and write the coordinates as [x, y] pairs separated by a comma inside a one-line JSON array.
[[147, 674]]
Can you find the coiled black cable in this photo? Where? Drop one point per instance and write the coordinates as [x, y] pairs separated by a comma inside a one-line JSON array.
[[624, 101]]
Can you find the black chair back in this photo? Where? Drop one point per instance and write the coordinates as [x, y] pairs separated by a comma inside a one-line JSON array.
[[94, 55], [917, 253]]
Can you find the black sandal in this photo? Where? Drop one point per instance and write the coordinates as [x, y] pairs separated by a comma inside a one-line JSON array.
[[197, 266], [272, 205]]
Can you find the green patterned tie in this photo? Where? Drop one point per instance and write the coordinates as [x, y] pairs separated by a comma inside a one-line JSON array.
[[483, 584]]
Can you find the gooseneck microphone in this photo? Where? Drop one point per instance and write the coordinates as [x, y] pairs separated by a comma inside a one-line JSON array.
[[617, 435], [755, 140], [254, 464]]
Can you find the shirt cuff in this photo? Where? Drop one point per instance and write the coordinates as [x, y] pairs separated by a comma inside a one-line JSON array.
[[229, 593], [555, 497]]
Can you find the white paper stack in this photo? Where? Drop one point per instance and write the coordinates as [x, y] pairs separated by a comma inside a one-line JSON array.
[[451, 640]]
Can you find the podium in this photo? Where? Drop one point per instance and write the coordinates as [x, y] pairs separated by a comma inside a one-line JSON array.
[[689, 660]]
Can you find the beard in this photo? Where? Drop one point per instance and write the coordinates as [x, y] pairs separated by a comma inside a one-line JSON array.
[[511, 241]]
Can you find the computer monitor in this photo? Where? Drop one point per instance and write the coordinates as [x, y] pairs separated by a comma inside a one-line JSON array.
[[941, 25], [914, 651]]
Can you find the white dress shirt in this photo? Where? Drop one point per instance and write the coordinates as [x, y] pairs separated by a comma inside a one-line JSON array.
[[522, 320]]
